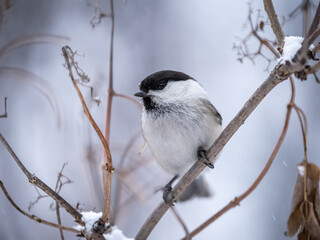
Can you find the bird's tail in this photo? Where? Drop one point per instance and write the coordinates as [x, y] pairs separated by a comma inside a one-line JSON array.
[[198, 188]]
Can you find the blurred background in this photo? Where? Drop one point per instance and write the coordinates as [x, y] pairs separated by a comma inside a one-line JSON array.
[[46, 126]]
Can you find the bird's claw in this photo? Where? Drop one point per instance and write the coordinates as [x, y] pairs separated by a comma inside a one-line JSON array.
[[168, 195], [167, 192], [202, 156]]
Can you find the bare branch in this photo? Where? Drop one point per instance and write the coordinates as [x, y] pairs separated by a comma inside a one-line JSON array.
[[59, 185], [315, 22], [66, 53], [264, 171], [59, 220], [313, 36], [33, 217], [273, 80], [107, 176], [110, 89], [243, 50], [37, 182], [107, 168], [275, 25], [40, 196]]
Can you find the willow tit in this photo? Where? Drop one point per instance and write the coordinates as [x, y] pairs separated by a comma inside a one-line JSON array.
[[179, 123]]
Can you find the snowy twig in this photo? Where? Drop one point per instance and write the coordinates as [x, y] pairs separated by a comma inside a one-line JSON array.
[[276, 27], [44, 187], [33, 217]]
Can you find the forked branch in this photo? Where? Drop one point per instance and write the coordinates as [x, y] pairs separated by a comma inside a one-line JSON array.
[[40, 184]]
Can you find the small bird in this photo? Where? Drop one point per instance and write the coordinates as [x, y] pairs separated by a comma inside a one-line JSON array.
[[179, 124]]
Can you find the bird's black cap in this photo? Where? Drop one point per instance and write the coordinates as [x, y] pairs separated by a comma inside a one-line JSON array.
[[159, 80]]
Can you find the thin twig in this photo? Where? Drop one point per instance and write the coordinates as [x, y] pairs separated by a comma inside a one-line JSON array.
[[264, 171], [66, 50], [313, 33], [31, 39], [40, 184], [304, 127], [107, 176], [118, 187], [275, 25], [313, 36], [305, 8], [33, 217], [273, 80], [59, 220], [128, 98], [110, 89], [107, 168], [40, 196], [180, 220], [57, 189], [315, 22]]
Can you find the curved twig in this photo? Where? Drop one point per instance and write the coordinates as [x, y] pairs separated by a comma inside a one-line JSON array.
[[31, 39], [33, 217], [44, 187], [37, 82]]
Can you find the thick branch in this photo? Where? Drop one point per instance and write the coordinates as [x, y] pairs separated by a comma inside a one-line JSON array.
[[33, 217], [44, 187], [275, 25], [273, 80]]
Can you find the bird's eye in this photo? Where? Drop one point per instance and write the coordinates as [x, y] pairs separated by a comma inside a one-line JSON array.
[[161, 85]]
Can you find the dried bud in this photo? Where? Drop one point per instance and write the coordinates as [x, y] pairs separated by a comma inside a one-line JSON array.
[[261, 25]]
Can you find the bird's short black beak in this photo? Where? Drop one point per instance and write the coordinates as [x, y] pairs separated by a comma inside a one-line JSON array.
[[140, 94]]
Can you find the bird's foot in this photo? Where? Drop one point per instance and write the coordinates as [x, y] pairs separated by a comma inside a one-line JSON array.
[[202, 156], [167, 192]]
